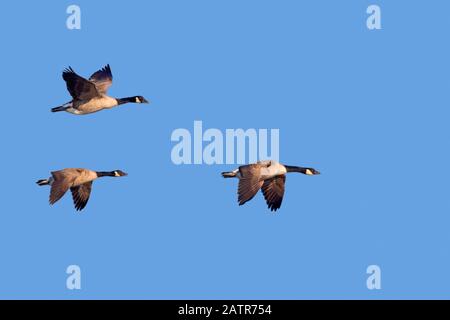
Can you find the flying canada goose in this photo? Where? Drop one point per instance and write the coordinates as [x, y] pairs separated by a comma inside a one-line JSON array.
[[78, 180], [90, 96], [269, 176]]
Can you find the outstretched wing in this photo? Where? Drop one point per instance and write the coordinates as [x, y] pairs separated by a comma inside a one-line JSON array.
[[59, 187], [102, 79], [78, 87], [80, 195], [273, 191], [249, 182]]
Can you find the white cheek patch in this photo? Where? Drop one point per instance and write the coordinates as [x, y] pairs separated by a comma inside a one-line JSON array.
[[116, 174], [137, 100], [309, 172]]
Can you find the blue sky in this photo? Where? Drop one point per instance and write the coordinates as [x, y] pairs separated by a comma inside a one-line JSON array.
[[369, 109]]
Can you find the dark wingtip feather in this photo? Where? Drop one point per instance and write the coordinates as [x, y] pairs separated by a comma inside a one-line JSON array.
[[108, 70], [67, 72], [274, 206]]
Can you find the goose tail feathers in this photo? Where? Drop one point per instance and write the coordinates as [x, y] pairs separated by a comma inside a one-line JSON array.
[[230, 174], [43, 182]]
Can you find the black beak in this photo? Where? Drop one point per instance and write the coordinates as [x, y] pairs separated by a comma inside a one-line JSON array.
[[144, 100]]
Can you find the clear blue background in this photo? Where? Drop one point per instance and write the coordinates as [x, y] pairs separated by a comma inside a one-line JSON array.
[[369, 109]]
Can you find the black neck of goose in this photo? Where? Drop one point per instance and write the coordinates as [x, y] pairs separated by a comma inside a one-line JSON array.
[[126, 100], [105, 174], [296, 169]]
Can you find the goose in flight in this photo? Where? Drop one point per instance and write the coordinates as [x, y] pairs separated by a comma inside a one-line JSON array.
[[269, 176], [79, 181], [90, 96]]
